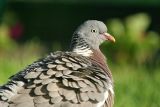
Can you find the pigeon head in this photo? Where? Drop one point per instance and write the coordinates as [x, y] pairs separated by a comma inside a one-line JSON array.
[[89, 36]]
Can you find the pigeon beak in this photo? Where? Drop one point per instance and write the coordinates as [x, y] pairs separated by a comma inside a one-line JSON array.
[[109, 37]]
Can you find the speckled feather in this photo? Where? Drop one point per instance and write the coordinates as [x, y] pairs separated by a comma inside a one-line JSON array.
[[71, 87]]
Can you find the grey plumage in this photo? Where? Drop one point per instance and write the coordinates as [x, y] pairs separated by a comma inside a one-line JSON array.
[[65, 79]]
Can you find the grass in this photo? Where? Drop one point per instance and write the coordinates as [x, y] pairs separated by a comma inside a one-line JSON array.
[[10, 66], [134, 86]]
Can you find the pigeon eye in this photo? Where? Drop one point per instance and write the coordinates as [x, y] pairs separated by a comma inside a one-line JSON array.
[[93, 30]]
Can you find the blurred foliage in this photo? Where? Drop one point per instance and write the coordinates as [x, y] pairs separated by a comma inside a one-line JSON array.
[[135, 44], [6, 42], [15, 56], [2, 8], [135, 86], [14, 60]]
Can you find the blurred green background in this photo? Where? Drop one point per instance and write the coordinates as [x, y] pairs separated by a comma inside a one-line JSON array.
[[30, 29]]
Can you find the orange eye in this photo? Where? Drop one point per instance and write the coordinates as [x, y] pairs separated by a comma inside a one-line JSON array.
[[93, 30]]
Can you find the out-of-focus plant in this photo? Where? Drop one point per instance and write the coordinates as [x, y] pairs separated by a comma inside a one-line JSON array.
[[134, 43], [13, 55], [14, 60], [6, 41], [10, 31]]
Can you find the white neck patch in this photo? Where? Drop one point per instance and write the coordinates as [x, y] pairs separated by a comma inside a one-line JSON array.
[[83, 51]]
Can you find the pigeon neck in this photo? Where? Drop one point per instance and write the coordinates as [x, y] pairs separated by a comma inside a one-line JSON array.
[[83, 50], [100, 59], [80, 46]]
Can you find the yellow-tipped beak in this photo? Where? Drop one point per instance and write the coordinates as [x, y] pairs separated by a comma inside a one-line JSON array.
[[109, 37]]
